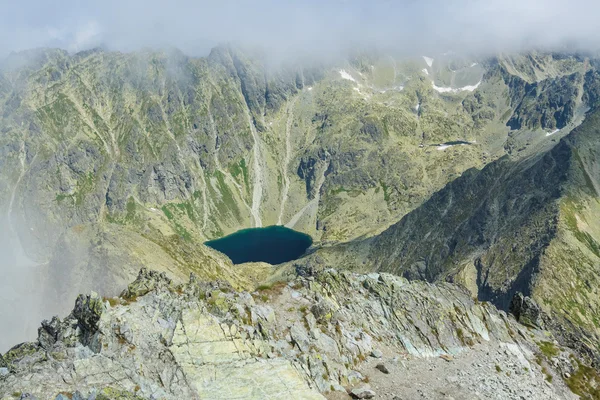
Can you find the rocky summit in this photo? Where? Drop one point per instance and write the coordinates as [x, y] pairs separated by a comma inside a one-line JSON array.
[[331, 335]]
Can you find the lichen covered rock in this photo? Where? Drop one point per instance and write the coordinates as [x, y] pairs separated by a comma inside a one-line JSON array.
[[299, 339]]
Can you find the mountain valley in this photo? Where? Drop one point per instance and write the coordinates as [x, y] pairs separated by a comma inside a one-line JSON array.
[[452, 201]]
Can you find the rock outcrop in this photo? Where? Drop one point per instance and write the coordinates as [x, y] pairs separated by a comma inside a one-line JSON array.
[[526, 310], [310, 338]]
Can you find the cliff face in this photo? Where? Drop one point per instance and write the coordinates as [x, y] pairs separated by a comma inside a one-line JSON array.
[[501, 217], [314, 336]]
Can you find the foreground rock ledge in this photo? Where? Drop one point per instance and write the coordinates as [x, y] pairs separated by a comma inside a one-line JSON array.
[[311, 338]]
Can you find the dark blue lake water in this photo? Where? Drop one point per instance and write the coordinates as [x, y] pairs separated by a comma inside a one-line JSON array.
[[273, 245]]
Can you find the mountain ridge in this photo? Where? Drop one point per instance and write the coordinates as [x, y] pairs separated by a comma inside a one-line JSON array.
[[113, 161], [314, 337], [515, 226]]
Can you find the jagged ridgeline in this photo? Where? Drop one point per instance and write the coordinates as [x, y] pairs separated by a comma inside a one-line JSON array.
[[113, 161], [316, 337]]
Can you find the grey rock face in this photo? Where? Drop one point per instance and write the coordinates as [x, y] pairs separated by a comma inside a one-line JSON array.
[[548, 104], [526, 311], [204, 340], [87, 311]]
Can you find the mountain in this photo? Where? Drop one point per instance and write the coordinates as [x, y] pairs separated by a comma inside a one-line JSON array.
[[111, 161], [527, 225], [478, 171]]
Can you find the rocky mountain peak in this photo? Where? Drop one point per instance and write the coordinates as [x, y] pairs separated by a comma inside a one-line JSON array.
[[309, 338]]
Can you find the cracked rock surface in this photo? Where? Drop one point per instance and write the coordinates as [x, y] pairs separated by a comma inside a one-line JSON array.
[[314, 337]]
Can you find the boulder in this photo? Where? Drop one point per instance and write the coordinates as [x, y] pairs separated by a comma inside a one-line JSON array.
[[383, 368], [376, 353], [362, 392], [146, 281], [49, 333], [526, 311], [87, 311], [20, 352]]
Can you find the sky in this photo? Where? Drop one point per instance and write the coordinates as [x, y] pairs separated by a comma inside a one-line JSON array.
[[292, 27]]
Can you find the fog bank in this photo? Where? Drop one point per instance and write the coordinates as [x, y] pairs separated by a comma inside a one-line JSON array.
[[296, 27]]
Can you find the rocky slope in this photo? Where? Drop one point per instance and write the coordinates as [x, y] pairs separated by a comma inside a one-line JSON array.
[[528, 225], [317, 336]]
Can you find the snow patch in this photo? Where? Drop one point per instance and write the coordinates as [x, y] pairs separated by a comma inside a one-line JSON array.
[[445, 146], [429, 61], [346, 75], [468, 88], [286, 162], [552, 133], [471, 88], [425, 71], [398, 88]]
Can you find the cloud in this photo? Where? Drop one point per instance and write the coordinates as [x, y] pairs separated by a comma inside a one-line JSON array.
[[300, 26]]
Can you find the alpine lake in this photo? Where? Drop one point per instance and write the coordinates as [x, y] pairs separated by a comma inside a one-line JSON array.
[[273, 244]]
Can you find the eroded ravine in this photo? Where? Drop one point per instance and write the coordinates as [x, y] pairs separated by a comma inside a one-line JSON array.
[[226, 174], [311, 206], [286, 161], [22, 156], [257, 190]]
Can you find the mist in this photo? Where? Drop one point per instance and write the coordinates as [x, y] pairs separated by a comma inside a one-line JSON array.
[[311, 27], [21, 305]]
